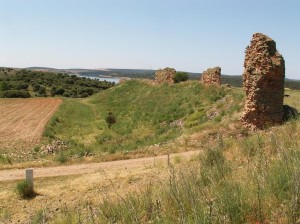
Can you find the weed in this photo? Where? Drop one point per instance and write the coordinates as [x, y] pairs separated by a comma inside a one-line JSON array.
[[25, 190], [40, 216], [177, 159], [196, 118], [36, 149], [62, 158], [5, 215], [233, 203], [5, 159], [214, 157]]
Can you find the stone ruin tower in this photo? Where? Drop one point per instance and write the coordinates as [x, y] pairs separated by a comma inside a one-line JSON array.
[[211, 76], [165, 75], [263, 79]]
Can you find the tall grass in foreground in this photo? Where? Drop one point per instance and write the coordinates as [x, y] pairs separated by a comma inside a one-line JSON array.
[[261, 184]]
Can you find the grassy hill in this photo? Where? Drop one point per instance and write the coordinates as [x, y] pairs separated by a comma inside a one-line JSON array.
[[146, 114]]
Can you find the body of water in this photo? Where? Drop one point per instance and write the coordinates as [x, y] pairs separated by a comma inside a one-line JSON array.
[[115, 80]]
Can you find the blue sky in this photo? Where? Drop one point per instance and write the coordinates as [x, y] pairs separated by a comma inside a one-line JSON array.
[[188, 35]]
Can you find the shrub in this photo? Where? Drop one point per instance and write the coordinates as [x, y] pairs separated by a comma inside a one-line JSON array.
[[36, 87], [84, 95], [21, 85], [25, 190], [110, 119], [62, 158], [42, 91], [180, 77], [16, 94], [66, 94]]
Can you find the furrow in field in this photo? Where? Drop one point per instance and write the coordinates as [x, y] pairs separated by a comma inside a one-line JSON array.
[[26, 118], [17, 114], [9, 126]]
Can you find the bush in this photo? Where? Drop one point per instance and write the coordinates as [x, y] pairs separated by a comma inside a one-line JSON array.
[[84, 95], [62, 158], [16, 94], [36, 87], [180, 77], [21, 85], [25, 190], [57, 91], [42, 91], [110, 119]]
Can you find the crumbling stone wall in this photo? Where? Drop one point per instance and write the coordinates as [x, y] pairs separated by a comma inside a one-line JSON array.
[[165, 75], [263, 79], [211, 76]]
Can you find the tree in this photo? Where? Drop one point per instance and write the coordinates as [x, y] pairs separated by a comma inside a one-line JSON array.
[[4, 86], [15, 94], [42, 91], [110, 119]]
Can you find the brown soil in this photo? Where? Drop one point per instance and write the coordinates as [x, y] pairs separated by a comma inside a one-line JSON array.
[[22, 121]]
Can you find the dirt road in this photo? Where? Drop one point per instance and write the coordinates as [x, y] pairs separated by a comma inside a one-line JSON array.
[[16, 174]]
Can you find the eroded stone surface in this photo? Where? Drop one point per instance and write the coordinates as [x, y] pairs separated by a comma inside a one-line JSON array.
[[211, 76], [263, 79], [165, 75]]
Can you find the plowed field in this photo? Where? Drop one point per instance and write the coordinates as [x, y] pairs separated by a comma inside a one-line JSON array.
[[22, 121]]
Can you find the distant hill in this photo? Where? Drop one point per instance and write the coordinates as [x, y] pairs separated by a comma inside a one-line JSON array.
[[233, 80]]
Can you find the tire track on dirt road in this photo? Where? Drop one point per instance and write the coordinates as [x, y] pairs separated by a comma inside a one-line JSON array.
[[112, 166]]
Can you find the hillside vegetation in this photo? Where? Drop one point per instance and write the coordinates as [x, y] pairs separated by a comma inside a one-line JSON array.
[[145, 115], [26, 83]]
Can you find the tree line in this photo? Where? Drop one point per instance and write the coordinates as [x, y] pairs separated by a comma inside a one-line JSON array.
[[26, 83]]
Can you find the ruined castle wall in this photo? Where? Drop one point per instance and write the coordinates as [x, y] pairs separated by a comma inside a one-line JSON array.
[[211, 76], [165, 75], [263, 80]]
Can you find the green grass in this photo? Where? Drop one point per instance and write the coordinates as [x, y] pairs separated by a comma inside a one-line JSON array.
[[144, 115]]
